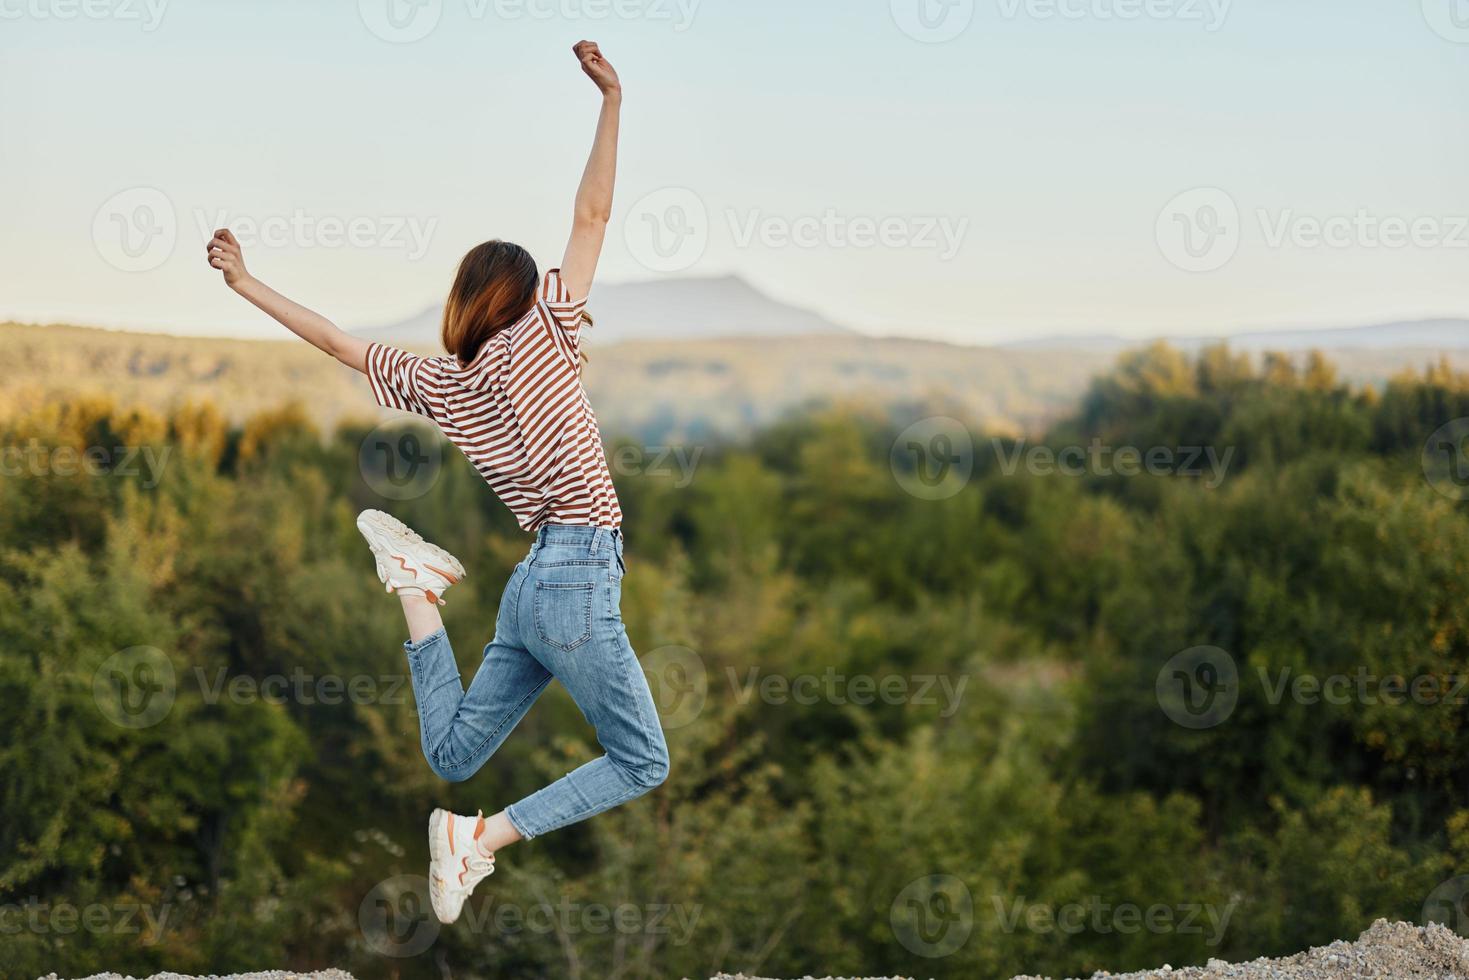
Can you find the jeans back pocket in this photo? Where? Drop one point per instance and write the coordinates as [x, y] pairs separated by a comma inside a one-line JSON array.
[[563, 612]]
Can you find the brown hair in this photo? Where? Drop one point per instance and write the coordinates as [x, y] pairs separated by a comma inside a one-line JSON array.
[[496, 286]]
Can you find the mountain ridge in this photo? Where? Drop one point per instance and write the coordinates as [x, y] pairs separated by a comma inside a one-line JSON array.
[[697, 308]]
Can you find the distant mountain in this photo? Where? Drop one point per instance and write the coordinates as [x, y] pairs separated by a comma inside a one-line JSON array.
[[1415, 335], [659, 309], [657, 391], [686, 389]]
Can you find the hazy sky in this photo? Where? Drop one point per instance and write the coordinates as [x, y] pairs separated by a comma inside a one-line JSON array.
[[963, 169]]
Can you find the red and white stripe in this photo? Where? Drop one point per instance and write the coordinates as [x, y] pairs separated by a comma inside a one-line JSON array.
[[519, 412]]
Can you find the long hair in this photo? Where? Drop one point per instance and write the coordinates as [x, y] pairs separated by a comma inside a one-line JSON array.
[[496, 286]]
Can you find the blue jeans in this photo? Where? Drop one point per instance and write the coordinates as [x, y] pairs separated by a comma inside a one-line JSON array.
[[559, 618]]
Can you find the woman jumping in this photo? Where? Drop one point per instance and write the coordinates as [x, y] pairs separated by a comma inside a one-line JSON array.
[[509, 395]]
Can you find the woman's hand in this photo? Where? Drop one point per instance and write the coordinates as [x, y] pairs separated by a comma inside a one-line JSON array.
[[597, 68], [225, 255]]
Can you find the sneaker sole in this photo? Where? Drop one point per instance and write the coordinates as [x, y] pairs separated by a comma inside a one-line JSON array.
[[437, 845], [401, 537]]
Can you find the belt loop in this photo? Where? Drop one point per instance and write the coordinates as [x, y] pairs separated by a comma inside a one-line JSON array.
[[597, 539]]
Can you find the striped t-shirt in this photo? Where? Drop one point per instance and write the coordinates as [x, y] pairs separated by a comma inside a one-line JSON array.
[[518, 412]]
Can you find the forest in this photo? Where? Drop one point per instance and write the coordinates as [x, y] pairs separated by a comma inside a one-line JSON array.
[[939, 703]]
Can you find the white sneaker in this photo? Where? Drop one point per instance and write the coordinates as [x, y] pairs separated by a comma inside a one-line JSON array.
[[455, 862], [406, 562]]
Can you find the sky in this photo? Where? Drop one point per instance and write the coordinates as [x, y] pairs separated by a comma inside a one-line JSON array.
[[964, 170]]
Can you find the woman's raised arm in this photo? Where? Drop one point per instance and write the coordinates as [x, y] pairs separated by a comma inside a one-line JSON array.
[[226, 256], [594, 196]]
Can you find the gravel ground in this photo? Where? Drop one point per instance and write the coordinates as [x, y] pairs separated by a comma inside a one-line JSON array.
[[265, 975], [1387, 951]]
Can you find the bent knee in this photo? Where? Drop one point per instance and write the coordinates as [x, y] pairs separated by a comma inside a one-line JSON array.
[[651, 772], [448, 773]]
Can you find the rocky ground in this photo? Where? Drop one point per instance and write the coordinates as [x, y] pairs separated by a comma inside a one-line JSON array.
[[266, 975], [1387, 951]]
